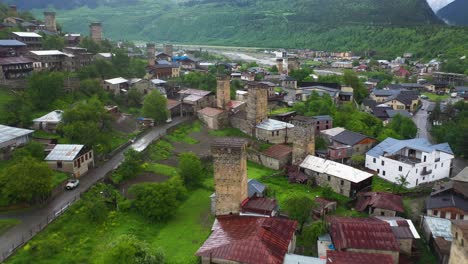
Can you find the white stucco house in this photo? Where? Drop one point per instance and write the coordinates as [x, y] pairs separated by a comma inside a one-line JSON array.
[[415, 159]]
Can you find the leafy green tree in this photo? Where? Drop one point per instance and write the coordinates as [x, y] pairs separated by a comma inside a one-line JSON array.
[[44, 88], [301, 75], [128, 249], [33, 149], [17, 112], [92, 87], [235, 85], [299, 208], [403, 126], [134, 98], [130, 167], [401, 182], [358, 160], [386, 133], [359, 90], [273, 69], [311, 233], [155, 106], [26, 181], [190, 169], [53, 42], [90, 45]]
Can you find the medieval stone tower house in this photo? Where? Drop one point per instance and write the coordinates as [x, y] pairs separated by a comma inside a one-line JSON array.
[[257, 105], [223, 92], [230, 174], [303, 138], [95, 31], [49, 21], [151, 50]]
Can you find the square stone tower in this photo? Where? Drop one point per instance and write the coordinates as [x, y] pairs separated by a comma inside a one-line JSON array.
[[151, 50], [223, 91], [49, 20], [13, 10], [95, 31], [230, 174], [303, 137], [168, 49], [257, 104]]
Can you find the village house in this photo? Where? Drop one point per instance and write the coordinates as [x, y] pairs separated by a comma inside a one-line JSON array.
[[363, 235], [116, 86], [214, 118], [345, 143], [249, 239], [403, 101], [48, 122], [417, 160], [173, 106], [323, 207], [437, 232], [320, 123], [13, 68], [163, 69], [459, 249], [12, 48], [73, 159], [259, 206], [49, 60], [31, 39], [274, 131], [380, 95], [405, 232], [379, 203], [275, 157], [343, 179], [351, 257], [450, 200], [72, 39], [447, 78], [11, 138], [288, 82], [195, 99], [80, 57]]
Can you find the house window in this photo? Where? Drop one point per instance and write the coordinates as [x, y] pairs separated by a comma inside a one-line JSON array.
[[435, 167], [434, 212], [342, 182], [378, 171], [425, 157], [326, 126], [382, 213], [341, 191], [400, 168], [318, 127], [277, 133], [59, 164], [383, 163], [272, 133], [416, 170], [383, 173], [90, 154], [462, 217], [442, 214], [416, 181], [442, 165], [453, 216], [328, 178], [374, 160], [424, 178]]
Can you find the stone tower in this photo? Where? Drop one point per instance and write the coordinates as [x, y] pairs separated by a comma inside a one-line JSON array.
[[151, 50], [279, 65], [168, 49], [13, 11], [303, 136], [257, 104], [95, 31], [223, 91], [49, 20], [230, 174]]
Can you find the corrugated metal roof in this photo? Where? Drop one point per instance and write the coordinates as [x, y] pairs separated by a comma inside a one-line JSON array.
[[192, 98], [348, 137], [195, 92], [391, 145], [334, 168], [439, 227], [272, 124], [47, 52], [278, 151], [402, 228], [255, 187], [8, 133], [14, 60], [249, 239], [345, 257], [11, 43], [333, 131], [462, 176], [64, 152], [382, 200], [117, 80], [158, 81], [298, 259], [27, 34], [53, 117]]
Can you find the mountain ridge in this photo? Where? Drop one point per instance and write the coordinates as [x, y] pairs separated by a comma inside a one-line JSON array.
[[455, 13]]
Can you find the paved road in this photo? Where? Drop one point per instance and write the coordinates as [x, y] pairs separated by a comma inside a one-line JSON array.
[[420, 119], [32, 218]]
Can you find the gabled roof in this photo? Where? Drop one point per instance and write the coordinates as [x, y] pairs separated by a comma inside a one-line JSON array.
[[333, 131], [405, 98], [382, 200], [402, 228], [11, 43], [14, 60], [391, 145], [392, 113], [64, 152], [229, 142], [362, 233], [255, 186], [322, 117], [348, 257], [47, 52], [439, 227], [350, 138], [272, 124], [385, 92], [117, 80], [278, 151], [446, 200], [8, 133], [195, 92], [462, 176], [172, 103], [259, 205], [248, 239], [335, 169], [27, 34], [380, 111], [53, 117]]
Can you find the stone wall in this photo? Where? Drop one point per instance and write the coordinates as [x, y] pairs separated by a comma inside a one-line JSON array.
[[260, 158], [223, 92], [303, 140], [395, 254], [383, 212], [280, 136], [459, 248], [241, 124], [405, 246], [257, 104], [95, 31], [338, 185]]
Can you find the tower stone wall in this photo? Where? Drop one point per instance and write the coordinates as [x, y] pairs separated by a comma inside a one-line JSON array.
[[168, 49], [223, 91], [230, 174], [95, 31], [151, 50], [303, 138], [257, 104], [279, 65], [13, 10], [49, 21]]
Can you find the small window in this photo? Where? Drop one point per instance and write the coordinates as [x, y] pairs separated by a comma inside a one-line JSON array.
[[435, 167], [59, 164], [328, 178], [400, 168], [272, 133], [425, 157], [326, 126], [318, 127], [374, 160], [424, 178], [442, 165], [90, 155], [342, 182], [383, 173], [382, 213], [277, 133], [378, 171], [383, 163], [434, 212], [462, 217]]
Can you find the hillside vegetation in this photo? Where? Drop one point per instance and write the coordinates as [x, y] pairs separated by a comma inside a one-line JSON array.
[[388, 26]]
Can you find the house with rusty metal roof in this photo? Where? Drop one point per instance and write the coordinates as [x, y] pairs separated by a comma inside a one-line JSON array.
[[73, 159], [249, 239], [276, 156], [214, 118], [365, 235], [379, 203], [404, 231], [259, 206], [348, 257]]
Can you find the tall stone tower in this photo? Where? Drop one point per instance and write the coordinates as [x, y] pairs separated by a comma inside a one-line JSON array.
[[303, 139], [95, 31], [151, 50], [279, 65], [168, 49], [13, 10], [223, 91], [257, 104], [230, 174], [49, 20]]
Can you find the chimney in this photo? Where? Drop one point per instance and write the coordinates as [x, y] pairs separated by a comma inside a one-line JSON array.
[[13, 10], [95, 30], [151, 50], [49, 20]]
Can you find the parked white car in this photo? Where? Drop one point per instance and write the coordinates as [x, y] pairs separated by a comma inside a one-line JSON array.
[[72, 184]]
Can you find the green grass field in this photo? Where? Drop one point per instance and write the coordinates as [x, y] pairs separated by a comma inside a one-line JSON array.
[[160, 169], [435, 97], [5, 97], [228, 132], [181, 134], [58, 177], [6, 224]]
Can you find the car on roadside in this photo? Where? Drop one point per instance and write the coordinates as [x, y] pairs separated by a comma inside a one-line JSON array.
[[72, 184], [424, 96]]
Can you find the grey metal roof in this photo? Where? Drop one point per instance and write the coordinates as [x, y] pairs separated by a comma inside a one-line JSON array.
[[462, 176], [391, 113], [445, 201], [64, 152], [381, 92], [323, 117], [8, 133], [272, 124], [255, 187], [348, 137], [11, 43], [52, 117], [391, 145], [439, 227]]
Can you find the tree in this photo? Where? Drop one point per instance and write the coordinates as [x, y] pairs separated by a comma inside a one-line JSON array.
[[401, 182], [26, 181], [157, 201], [17, 112], [301, 74], [92, 87], [128, 249], [155, 106], [357, 160], [299, 208], [33, 149], [53, 42], [273, 69], [90, 45], [359, 90], [134, 98], [190, 169], [44, 88], [403, 126], [130, 167]]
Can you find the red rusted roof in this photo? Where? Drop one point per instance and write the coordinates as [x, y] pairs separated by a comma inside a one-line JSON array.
[[345, 257], [278, 151], [249, 239], [362, 233], [172, 103], [322, 203], [259, 205], [210, 111], [382, 200], [233, 104]]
